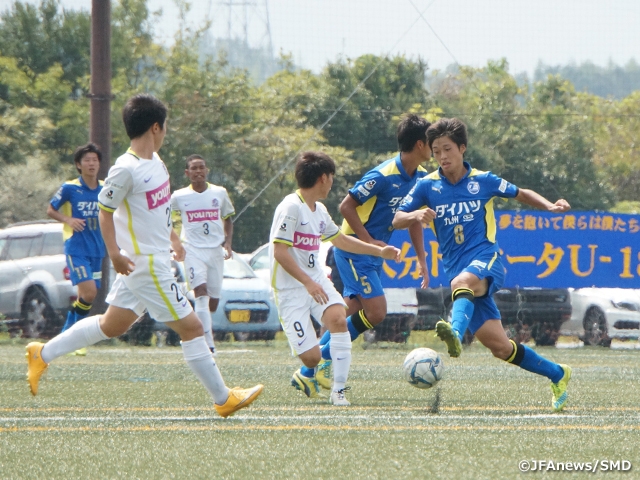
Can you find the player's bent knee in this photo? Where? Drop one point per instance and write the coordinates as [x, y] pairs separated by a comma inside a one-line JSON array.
[[310, 358]]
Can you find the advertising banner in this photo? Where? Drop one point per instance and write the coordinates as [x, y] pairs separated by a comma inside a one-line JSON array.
[[541, 249]]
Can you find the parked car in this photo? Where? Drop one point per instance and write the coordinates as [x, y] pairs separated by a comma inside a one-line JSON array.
[[35, 289], [528, 312], [600, 314], [402, 304], [246, 308]]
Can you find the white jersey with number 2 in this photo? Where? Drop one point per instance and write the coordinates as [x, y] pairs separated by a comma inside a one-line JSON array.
[[203, 215], [294, 224]]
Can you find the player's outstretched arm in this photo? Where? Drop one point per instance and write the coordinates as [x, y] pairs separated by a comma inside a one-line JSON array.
[[283, 257], [533, 199], [354, 245], [121, 264], [350, 214]]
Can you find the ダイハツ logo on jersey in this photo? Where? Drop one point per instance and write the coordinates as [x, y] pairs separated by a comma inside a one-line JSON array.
[[473, 187]]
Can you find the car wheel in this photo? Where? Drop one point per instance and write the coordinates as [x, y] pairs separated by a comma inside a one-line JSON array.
[[595, 328], [38, 318]]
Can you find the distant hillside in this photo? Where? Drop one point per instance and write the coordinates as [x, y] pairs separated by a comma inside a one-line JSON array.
[[611, 81]]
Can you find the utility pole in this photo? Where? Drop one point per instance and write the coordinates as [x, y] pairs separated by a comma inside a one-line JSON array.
[[100, 117]]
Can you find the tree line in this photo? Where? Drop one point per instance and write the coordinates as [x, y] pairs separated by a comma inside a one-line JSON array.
[[544, 135]]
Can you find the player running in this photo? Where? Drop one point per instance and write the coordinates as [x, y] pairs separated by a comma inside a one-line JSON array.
[[301, 289], [368, 211], [135, 219], [207, 232], [76, 205], [457, 200]]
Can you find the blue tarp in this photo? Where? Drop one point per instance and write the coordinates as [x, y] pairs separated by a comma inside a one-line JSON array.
[[541, 249]]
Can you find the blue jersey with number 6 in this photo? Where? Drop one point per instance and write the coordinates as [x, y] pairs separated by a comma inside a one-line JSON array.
[[465, 223], [75, 199]]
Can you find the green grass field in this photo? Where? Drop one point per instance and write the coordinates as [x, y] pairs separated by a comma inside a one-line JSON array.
[[138, 412]]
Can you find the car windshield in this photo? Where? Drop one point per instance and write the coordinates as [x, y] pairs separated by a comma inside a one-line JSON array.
[[261, 259], [236, 268]]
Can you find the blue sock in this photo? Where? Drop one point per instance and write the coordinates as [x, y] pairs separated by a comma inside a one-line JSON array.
[[308, 372], [461, 315], [71, 319], [532, 362], [325, 341]]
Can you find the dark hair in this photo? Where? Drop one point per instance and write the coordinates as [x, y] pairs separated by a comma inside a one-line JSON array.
[[195, 156], [310, 166], [448, 127], [141, 112], [82, 150], [411, 129]]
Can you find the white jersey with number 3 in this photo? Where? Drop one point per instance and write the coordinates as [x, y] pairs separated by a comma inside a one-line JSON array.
[[203, 215], [294, 224], [137, 191]]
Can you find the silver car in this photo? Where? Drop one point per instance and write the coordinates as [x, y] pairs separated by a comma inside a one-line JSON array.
[[35, 290]]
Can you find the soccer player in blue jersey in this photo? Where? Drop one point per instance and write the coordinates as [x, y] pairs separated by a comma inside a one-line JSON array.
[[76, 205], [368, 211], [457, 200]]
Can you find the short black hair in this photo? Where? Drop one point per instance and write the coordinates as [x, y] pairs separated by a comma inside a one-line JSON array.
[[310, 166], [141, 112], [448, 127], [194, 156], [411, 129], [82, 150]]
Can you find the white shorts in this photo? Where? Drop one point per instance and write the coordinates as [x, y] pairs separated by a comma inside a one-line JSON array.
[[205, 265], [295, 307], [150, 286]]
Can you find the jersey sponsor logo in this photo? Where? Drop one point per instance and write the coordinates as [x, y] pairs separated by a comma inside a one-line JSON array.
[[202, 215], [473, 187], [306, 241], [87, 206], [370, 184], [458, 208], [158, 196], [146, 180], [503, 186], [362, 191], [468, 217]]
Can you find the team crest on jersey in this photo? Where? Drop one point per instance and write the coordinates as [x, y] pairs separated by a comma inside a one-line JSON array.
[[370, 184], [215, 202], [322, 226], [473, 187]]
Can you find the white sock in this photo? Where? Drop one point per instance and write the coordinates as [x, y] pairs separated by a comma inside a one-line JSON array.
[[198, 357], [204, 314], [84, 333], [340, 350]]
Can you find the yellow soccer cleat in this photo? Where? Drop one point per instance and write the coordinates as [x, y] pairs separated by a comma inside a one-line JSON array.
[[323, 375], [448, 336], [309, 386], [238, 398], [559, 390], [81, 352], [36, 366]]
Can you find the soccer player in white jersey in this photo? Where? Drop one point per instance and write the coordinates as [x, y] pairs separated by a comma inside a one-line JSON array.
[[135, 220], [207, 232], [301, 289]]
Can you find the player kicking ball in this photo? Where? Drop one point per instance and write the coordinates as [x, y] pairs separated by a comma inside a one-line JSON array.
[[457, 200], [301, 288], [135, 220]]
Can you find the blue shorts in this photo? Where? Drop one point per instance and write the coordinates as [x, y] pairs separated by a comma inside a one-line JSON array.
[[360, 275], [83, 269], [485, 308]]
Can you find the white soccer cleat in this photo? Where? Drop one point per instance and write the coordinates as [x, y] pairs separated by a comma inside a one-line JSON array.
[[339, 399]]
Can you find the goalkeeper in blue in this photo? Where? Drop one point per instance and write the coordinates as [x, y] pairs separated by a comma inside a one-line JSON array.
[[457, 201]]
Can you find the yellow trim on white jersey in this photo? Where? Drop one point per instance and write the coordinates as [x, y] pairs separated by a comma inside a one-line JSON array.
[[134, 240]]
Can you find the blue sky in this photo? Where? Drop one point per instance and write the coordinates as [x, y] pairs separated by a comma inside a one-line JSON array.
[[470, 32]]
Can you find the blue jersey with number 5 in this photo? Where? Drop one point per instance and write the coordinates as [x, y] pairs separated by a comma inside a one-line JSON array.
[[75, 199], [465, 223]]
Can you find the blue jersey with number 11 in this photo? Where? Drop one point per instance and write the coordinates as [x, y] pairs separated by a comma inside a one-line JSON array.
[[465, 223], [75, 199]]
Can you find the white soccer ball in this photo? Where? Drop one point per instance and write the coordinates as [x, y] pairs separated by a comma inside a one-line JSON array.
[[423, 368]]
